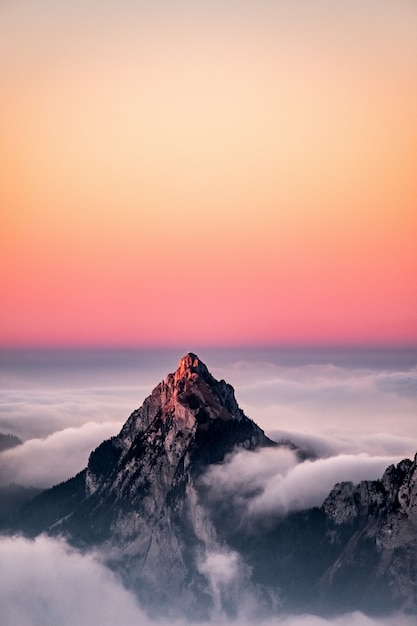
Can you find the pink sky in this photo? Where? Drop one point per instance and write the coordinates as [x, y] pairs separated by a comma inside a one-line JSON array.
[[195, 173]]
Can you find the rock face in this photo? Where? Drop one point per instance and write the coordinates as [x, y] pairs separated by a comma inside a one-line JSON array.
[[380, 519], [137, 497], [356, 552], [141, 503]]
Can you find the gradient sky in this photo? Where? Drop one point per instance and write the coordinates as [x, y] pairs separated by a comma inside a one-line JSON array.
[[211, 172]]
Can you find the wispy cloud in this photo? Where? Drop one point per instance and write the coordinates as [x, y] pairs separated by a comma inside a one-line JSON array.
[[340, 408], [34, 413], [42, 391], [354, 442], [271, 481]]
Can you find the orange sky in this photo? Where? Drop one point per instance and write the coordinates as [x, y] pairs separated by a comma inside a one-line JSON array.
[[208, 172]]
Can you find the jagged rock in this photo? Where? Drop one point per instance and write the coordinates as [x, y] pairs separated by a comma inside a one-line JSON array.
[[141, 503], [380, 518], [137, 497]]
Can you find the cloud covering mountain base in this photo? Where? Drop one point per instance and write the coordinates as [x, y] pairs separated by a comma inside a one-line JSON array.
[[45, 582], [331, 402], [273, 481], [358, 419]]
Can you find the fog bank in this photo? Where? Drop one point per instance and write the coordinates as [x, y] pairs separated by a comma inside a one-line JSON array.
[[45, 582]]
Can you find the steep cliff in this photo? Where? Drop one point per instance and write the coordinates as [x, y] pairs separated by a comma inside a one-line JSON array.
[[137, 498], [379, 561]]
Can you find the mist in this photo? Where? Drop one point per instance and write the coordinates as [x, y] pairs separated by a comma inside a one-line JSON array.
[[45, 582], [343, 407]]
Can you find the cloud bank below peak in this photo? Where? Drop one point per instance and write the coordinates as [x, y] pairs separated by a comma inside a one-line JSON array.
[[271, 481], [86, 592], [44, 462]]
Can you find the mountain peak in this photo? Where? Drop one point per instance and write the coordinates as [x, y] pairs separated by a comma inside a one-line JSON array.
[[190, 364], [138, 497], [190, 400]]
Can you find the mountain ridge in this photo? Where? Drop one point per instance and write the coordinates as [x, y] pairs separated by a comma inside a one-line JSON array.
[[141, 503], [137, 497]]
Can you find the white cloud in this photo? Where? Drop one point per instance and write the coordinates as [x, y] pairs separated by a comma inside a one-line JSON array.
[[31, 413], [333, 401], [45, 582], [309, 483], [244, 474], [223, 571], [271, 481], [48, 461], [42, 391], [354, 442], [220, 567]]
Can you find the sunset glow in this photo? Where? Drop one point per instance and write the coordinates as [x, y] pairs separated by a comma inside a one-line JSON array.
[[208, 172]]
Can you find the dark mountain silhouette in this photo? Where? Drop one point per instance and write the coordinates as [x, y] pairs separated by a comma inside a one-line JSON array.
[[8, 441]]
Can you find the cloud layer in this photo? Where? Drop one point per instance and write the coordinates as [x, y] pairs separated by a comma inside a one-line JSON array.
[[45, 583], [64, 404], [271, 481], [340, 408], [37, 413], [48, 461]]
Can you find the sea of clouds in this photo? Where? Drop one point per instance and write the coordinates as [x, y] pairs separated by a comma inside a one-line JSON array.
[[44, 582]]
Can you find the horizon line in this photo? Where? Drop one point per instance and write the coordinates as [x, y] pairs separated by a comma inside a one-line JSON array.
[[374, 345]]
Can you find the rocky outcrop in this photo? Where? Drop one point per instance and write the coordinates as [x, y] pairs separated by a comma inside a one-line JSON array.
[[395, 494], [380, 519], [137, 497]]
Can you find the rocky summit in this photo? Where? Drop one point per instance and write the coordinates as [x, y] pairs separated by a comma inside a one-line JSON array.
[[142, 504], [137, 499]]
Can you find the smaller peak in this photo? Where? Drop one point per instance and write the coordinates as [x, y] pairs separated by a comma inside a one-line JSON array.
[[190, 364]]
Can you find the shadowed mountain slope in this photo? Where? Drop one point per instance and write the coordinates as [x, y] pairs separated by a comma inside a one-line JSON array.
[[142, 504]]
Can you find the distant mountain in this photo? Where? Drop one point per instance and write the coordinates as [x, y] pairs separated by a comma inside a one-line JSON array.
[[8, 441], [142, 503], [12, 499], [12, 496]]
